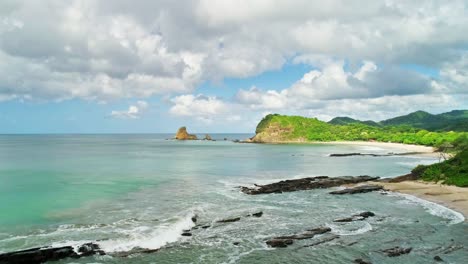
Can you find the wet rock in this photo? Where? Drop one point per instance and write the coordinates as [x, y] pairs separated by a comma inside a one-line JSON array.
[[284, 241], [230, 220], [205, 226], [194, 218], [281, 243], [359, 189], [356, 217], [259, 214], [437, 258], [373, 155], [305, 184], [89, 249], [396, 251], [236, 243], [361, 261], [207, 137], [42, 255], [186, 234]]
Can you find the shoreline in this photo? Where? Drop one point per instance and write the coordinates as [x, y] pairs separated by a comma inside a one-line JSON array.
[[425, 150], [452, 197]]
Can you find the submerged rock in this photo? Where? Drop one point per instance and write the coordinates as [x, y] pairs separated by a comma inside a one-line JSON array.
[[361, 261], [182, 134], [396, 251], [42, 255], [359, 189], [373, 155], [230, 220], [305, 184], [284, 241], [356, 217]]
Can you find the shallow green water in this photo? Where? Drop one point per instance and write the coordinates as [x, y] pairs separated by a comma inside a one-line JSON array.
[[141, 191]]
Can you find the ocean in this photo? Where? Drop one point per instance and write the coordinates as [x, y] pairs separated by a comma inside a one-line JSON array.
[[141, 191]]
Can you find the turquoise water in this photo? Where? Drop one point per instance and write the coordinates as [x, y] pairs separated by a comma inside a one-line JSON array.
[[130, 191]]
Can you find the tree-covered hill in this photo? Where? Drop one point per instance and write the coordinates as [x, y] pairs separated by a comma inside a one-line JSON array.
[[456, 120], [279, 128]]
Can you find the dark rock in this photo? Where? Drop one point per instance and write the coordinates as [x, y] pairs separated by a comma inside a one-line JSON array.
[[361, 261], [42, 255], [345, 154], [205, 226], [356, 217], [194, 218], [236, 243], [259, 214], [229, 220], [406, 177], [305, 184], [89, 249], [282, 243], [373, 155], [396, 251], [359, 189], [236, 141], [437, 258], [186, 234]]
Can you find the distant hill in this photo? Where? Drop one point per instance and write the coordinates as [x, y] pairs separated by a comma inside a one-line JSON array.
[[456, 120], [347, 120]]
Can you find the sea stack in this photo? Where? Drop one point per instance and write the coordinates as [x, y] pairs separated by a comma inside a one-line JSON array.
[[183, 135]]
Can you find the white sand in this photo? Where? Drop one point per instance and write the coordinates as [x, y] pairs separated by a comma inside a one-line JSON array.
[[386, 145]]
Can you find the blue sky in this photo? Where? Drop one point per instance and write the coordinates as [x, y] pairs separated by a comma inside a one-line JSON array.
[[150, 67]]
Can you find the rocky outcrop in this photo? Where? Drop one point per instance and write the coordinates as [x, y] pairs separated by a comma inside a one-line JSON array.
[[42, 255], [374, 155], [359, 189], [305, 184], [182, 134], [208, 137], [396, 251], [356, 217], [284, 241]]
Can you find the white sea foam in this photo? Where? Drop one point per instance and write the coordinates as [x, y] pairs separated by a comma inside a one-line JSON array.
[[148, 237], [454, 217], [345, 230]]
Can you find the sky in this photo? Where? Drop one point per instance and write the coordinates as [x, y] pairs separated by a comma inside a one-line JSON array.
[[146, 66]]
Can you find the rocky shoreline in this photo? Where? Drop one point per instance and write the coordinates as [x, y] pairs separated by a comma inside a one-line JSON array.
[[46, 254]]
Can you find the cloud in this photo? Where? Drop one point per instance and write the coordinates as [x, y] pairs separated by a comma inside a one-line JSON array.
[[333, 82], [133, 112], [104, 50]]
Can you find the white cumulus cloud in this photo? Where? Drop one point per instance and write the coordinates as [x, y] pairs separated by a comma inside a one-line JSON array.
[[133, 111]]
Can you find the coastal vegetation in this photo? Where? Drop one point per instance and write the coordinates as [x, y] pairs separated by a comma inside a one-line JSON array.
[[275, 128], [280, 128], [453, 171]]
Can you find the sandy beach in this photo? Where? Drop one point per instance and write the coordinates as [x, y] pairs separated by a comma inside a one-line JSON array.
[[455, 198], [386, 145]]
